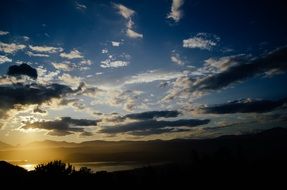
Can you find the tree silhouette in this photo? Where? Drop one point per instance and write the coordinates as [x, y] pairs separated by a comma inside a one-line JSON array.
[[54, 168]]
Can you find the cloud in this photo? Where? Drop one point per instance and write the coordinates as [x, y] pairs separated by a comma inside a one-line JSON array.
[[244, 106], [129, 99], [3, 33], [116, 44], [220, 74], [31, 54], [46, 49], [175, 13], [213, 65], [11, 48], [104, 51], [86, 62], [70, 80], [64, 66], [133, 34], [22, 69], [45, 76], [4, 59], [144, 125], [175, 58], [80, 6], [244, 69], [16, 95], [202, 41], [152, 115], [108, 63], [153, 75], [127, 14], [74, 54], [26, 38], [63, 126], [124, 11]]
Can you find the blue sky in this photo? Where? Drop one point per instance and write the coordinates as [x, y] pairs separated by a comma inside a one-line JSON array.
[[116, 58]]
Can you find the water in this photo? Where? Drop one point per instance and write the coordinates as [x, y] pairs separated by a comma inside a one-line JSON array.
[[96, 166]]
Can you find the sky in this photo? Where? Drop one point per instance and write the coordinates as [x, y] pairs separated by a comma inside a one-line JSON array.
[[140, 70]]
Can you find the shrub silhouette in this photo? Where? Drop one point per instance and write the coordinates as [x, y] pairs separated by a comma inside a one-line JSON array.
[[54, 168]]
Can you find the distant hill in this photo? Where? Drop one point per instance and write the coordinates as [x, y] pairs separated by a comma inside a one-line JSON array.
[[263, 145], [50, 144], [7, 169]]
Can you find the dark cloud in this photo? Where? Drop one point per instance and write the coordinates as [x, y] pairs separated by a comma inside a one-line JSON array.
[[157, 131], [275, 60], [63, 126], [152, 115], [244, 106], [23, 69], [26, 94], [31, 93], [144, 125]]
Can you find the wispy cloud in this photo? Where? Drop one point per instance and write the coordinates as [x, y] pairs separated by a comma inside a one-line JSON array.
[[153, 75], [227, 71], [127, 14], [125, 11], [80, 6], [31, 54], [201, 41], [74, 54], [64, 66], [175, 13], [108, 63], [133, 34], [11, 48], [175, 58], [46, 49], [4, 59]]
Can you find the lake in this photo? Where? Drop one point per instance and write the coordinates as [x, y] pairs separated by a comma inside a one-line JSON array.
[[95, 166]]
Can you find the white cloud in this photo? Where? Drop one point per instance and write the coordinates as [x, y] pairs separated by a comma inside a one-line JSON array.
[[175, 13], [127, 14], [133, 34], [4, 59], [116, 44], [45, 76], [64, 66], [74, 54], [86, 62], [201, 41], [70, 80], [46, 49], [175, 58], [11, 48], [153, 75], [31, 54], [105, 51], [3, 33], [108, 63]]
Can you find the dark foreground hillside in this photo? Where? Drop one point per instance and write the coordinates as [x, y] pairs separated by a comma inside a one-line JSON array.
[[229, 164]]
